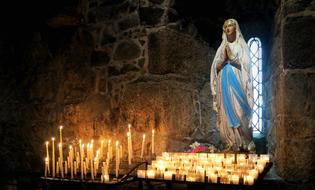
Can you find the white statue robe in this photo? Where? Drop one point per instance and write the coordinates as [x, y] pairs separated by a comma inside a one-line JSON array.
[[232, 93]]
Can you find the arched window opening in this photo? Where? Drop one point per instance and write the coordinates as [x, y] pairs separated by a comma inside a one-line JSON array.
[[254, 45]]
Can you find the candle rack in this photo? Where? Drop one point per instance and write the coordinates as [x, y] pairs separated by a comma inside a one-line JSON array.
[[130, 176]]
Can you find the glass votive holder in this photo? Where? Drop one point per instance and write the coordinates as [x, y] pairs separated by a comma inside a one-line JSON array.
[[168, 175], [151, 174], [212, 178], [248, 180], [235, 179], [141, 173]]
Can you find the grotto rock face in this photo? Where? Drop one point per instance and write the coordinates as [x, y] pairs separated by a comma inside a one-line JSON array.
[[126, 64], [291, 93]]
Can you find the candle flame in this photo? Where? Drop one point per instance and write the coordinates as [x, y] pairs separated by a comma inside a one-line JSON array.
[[53, 138], [117, 142], [61, 127], [153, 131], [47, 142], [143, 136]]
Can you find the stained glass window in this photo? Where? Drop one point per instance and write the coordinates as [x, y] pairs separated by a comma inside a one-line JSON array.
[[254, 45]]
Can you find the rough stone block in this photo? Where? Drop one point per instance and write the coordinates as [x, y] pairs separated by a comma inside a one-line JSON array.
[[126, 50], [99, 58], [295, 93], [150, 15], [293, 6], [298, 40], [173, 52]]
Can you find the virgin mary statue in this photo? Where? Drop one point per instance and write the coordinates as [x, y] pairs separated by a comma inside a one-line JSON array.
[[231, 88]]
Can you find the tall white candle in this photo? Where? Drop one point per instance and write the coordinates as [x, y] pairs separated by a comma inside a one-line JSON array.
[[61, 152], [81, 161], [110, 149], [46, 166], [101, 150], [130, 139], [117, 158], [142, 146], [60, 160], [129, 148], [47, 155], [53, 156], [66, 168], [75, 168], [71, 161], [153, 141]]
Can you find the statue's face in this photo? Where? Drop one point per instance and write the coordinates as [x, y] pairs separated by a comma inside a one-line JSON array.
[[229, 27]]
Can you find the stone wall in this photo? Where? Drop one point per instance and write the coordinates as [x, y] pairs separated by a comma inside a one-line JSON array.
[[290, 93], [120, 62]]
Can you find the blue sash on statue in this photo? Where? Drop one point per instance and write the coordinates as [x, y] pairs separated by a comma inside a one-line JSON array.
[[231, 87]]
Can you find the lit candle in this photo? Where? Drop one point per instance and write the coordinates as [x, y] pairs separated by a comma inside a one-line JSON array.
[[129, 148], [151, 173], [81, 162], [60, 133], [168, 175], [142, 146], [117, 159], [213, 178], [57, 167], [106, 178], [101, 150], [47, 155], [60, 160], [84, 168], [46, 166], [109, 149], [53, 156], [249, 180], [152, 141], [141, 173], [71, 161], [75, 168], [130, 139], [92, 170], [61, 153], [235, 179], [66, 167]]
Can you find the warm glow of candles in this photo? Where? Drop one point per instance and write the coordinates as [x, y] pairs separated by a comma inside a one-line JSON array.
[[142, 145]]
